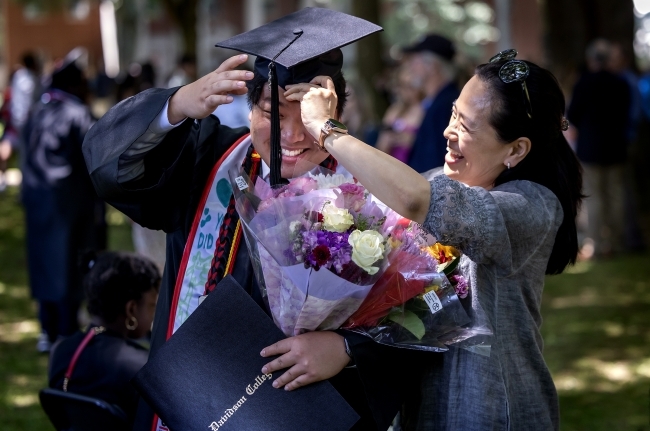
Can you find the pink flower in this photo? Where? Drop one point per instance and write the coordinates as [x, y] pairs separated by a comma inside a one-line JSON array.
[[460, 285], [351, 196]]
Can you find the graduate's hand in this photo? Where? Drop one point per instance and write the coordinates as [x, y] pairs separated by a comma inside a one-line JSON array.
[[309, 357], [200, 98], [318, 102]]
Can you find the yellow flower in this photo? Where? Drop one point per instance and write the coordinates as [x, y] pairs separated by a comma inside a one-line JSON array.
[[393, 242], [442, 253]]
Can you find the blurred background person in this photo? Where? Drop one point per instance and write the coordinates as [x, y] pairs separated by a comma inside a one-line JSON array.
[[121, 290], [184, 73], [25, 91], [620, 64], [358, 115], [234, 114], [600, 111], [8, 135], [430, 62], [61, 206], [403, 117]]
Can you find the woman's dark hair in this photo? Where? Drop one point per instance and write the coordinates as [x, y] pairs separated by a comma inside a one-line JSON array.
[[114, 278], [256, 88], [551, 162]]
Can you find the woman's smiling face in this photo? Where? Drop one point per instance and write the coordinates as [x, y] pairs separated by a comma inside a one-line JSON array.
[[475, 155]]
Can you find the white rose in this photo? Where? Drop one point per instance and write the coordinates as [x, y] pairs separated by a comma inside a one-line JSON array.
[[367, 248], [336, 219], [294, 226], [330, 181]]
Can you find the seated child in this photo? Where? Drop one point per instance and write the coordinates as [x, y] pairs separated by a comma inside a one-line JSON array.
[[121, 290]]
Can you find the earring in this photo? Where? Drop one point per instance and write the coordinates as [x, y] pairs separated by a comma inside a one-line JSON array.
[[131, 326], [508, 165]]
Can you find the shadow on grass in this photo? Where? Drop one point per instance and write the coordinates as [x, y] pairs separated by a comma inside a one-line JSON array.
[[596, 331]]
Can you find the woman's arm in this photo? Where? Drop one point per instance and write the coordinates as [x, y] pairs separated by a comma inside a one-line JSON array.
[[393, 182]]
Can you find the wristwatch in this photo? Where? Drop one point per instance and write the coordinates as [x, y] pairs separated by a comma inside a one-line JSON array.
[[330, 126]]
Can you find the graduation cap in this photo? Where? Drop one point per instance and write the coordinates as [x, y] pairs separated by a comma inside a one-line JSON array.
[[295, 49]]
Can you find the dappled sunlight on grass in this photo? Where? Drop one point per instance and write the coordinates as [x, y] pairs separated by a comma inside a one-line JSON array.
[[18, 331], [597, 343], [579, 267], [594, 374], [23, 400]]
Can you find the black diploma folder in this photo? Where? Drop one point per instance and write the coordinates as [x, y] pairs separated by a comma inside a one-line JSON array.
[[208, 376]]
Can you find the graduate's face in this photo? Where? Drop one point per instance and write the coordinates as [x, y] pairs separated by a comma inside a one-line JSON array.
[[475, 156], [299, 150]]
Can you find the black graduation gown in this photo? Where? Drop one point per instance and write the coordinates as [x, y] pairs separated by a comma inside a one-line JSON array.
[[59, 200], [166, 198]]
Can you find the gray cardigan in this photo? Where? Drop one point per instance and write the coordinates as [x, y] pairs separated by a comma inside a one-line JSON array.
[[506, 235]]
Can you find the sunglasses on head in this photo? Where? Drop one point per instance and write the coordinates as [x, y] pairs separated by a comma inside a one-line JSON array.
[[514, 71]]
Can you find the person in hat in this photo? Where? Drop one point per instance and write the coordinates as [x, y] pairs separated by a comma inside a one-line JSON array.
[[59, 199], [430, 60], [163, 159]]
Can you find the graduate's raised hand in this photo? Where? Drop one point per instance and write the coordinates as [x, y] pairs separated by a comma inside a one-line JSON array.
[[200, 98], [309, 357], [318, 102]]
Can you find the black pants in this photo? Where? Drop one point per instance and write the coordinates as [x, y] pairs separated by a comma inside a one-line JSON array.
[[58, 318]]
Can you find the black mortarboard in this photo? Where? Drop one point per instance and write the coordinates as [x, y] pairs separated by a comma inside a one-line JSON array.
[[296, 48]]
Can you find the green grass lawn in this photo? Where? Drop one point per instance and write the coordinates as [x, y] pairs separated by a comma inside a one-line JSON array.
[[596, 329], [23, 371]]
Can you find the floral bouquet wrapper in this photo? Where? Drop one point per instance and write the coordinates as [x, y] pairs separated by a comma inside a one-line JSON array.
[[421, 301], [318, 245]]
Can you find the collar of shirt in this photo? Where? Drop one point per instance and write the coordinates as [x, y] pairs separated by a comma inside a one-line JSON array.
[[266, 171]]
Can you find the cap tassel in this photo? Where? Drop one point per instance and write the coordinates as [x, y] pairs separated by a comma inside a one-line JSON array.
[[276, 150]]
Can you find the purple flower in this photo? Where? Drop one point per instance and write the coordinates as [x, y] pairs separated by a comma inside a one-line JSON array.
[[313, 248], [460, 285]]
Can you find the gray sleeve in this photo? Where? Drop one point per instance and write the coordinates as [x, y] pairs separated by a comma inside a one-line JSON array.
[[131, 163], [504, 226]]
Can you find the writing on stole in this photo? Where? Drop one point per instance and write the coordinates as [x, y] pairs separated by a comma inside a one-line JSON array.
[[250, 390]]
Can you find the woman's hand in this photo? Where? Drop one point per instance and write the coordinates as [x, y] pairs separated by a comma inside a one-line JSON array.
[[310, 357], [318, 102], [200, 98]]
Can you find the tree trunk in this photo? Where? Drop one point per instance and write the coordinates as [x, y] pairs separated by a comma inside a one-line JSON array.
[[369, 62], [183, 12], [571, 24]]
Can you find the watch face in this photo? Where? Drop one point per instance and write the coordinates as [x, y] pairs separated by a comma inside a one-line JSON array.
[[337, 124]]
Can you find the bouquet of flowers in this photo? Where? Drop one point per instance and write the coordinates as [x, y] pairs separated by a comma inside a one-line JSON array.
[[327, 254], [417, 302], [318, 245]]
